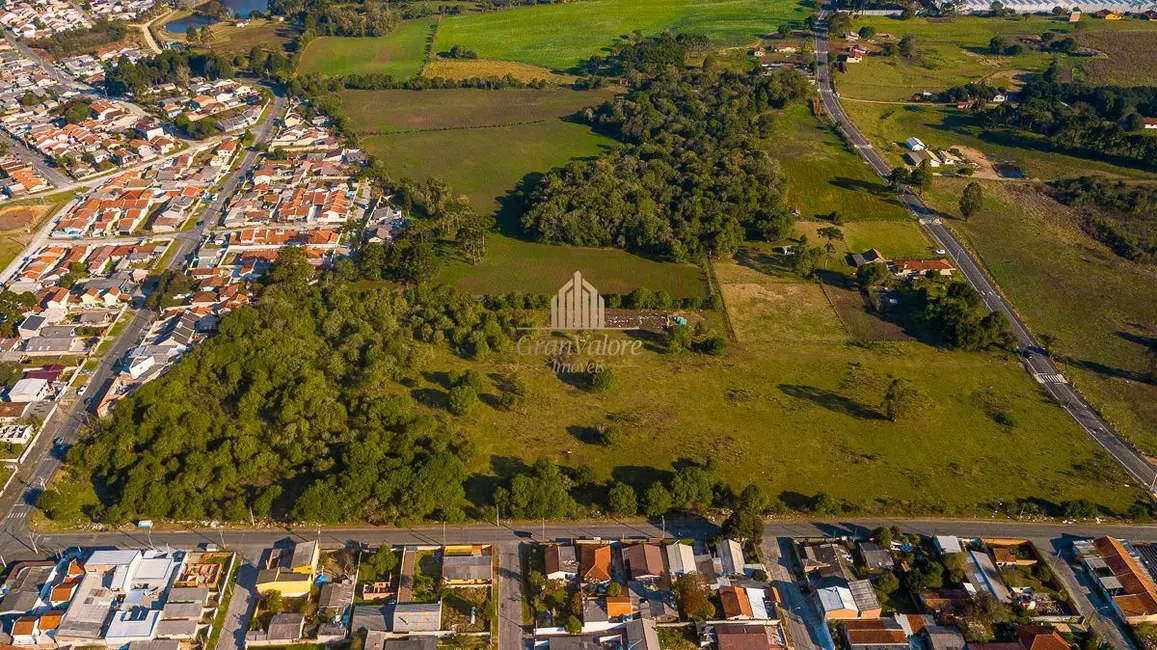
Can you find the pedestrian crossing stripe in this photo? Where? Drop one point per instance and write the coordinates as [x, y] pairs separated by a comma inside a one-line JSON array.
[[1050, 378]]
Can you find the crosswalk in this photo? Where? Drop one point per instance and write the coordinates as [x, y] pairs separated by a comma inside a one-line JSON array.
[[1050, 378]]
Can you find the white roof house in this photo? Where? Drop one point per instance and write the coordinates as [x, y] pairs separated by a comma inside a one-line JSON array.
[[948, 544], [915, 144], [730, 557], [680, 559], [758, 598], [28, 390]]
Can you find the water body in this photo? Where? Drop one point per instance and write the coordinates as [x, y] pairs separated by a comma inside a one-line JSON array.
[[241, 9]]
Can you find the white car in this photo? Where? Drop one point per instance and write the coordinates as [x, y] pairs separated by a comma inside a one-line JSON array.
[[80, 391], [940, 251]]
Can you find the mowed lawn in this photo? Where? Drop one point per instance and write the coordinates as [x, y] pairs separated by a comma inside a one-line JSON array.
[[385, 111], [1099, 307], [559, 36], [399, 54], [941, 127], [796, 409], [823, 175]]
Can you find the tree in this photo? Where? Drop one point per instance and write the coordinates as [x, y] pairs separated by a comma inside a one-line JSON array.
[[830, 233], [272, 602], [899, 399], [886, 583], [784, 30], [899, 177], [826, 504], [656, 500], [870, 275], [614, 589], [929, 576], [572, 625], [883, 536], [921, 178], [1134, 122], [744, 523], [601, 380], [461, 399], [379, 565], [867, 31], [908, 46], [998, 44], [621, 500], [971, 199], [692, 597]]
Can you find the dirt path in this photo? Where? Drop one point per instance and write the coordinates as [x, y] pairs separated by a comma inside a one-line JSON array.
[[148, 34]]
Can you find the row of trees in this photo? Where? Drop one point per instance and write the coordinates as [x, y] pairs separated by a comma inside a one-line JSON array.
[[692, 179], [957, 312]]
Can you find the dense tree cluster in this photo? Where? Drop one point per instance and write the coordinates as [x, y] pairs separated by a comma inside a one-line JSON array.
[[296, 408], [957, 312], [1122, 216], [692, 179], [1075, 117], [12, 308], [647, 55], [313, 85], [170, 66], [325, 18]]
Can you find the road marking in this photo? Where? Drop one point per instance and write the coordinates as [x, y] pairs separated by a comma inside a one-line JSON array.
[[1049, 378]]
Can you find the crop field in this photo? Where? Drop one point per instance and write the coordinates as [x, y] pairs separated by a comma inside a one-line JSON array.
[[824, 175], [796, 409], [386, 111], [1098, 307], [941, 127], [956, 51], [1131, 60], [559, 36], [400, 54], [459, 69]]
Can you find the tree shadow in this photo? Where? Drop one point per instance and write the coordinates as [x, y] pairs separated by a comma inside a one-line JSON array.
[[1106, 370], [641, 477], [860, 185], [831, 401], [796, 501], [1144, 341], [765, 263], [438, 377], [431, 397], [652, 341], [507, 467], [584, 434]]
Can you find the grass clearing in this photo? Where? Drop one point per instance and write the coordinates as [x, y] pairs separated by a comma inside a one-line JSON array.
[[231, 40], [794, 406], [391, 111], [459, 69], [484, 164], [400, 54], [823, 175], [559, 36], [941, 127], [1099, 308], [20, 219]]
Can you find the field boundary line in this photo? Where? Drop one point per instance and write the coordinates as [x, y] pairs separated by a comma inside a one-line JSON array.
[[459, 128], [832, 304], [430, 39], [714, 286]]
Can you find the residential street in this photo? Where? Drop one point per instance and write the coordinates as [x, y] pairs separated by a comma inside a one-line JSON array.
[[1033, 357], [805, 626]]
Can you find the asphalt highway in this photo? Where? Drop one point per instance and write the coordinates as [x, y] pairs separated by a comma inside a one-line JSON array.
[[1032, 356]]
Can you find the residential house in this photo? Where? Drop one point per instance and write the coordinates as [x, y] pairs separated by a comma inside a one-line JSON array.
[[1040, 637], [870, 256], [942, 637], [1121, 576], [875, 557], [730, 557], [472, 567], [915, 144], [417, 617], [644, 561], [872, 634], [857, 600], [680, 559], [561, 562], [642, 634], [914, 268], [289, 571], [748, 637], [595, 563]]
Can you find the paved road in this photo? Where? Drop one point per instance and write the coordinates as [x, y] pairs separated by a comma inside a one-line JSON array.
[[1096, 611], [1035, 361], [511, 634], [804, 624], [29, 157], [39, 466], [240, 607]]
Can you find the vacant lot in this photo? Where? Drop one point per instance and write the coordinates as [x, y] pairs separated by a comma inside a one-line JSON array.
[[1131, 60], [20, 219], [486, 163], [795, 408], [386, 111], [823, 175], [1098, 307], [470, 68], [400, 54], [559, 36], [230, 40], [942, 127]]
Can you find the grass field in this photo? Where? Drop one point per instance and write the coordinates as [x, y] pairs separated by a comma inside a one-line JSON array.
[[458, 69], [400, 54], [824, 175], [956, 51], [484, 164], [795, 408], [1099, 307], [559, 36], [386, 111], [941, 127]]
